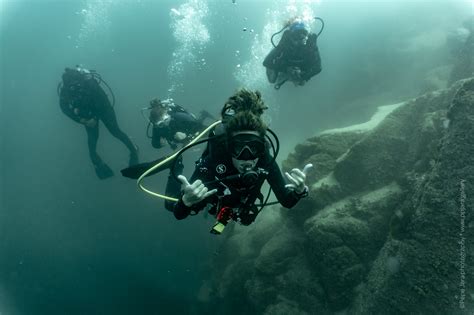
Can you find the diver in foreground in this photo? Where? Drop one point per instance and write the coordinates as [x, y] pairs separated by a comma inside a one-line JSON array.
[[82, 99], [230, 173], [296, 57]]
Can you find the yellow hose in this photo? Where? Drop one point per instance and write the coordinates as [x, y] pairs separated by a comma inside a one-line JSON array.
[[139, 180]]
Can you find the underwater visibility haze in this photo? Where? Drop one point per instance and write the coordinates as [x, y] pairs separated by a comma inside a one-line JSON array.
[[387, 124]]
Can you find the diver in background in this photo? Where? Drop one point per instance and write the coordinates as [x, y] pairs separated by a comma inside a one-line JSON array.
[[173, 124], [176, 126], [82, 99], [296, 57]]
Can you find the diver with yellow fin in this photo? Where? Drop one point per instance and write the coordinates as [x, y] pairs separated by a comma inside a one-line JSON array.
[[231, 171]]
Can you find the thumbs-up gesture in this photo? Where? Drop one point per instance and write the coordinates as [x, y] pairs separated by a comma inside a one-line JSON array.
[[195, 192]]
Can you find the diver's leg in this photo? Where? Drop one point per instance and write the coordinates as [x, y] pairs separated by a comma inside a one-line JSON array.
[[173, 187], [282, 77], [272, 75], [101, 169], [110, 121], [92, 137]]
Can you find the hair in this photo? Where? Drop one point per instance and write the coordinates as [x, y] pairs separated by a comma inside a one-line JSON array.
[[244, 101], [248, 108], [156, 102]]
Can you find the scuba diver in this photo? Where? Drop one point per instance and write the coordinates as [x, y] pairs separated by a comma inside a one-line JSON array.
[[296, 57], [237, 161], [82, 99], [232, 169], [173, 124]]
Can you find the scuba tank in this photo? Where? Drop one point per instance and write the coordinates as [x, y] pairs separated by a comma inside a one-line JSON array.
[[288, 26], [86, 74]]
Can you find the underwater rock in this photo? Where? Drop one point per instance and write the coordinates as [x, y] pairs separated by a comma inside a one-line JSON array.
[[464, 65], [381, 231], [435, 272]]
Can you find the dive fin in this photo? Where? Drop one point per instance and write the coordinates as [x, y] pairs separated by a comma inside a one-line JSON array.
[[135, 171], [103, 171], [205, 114]]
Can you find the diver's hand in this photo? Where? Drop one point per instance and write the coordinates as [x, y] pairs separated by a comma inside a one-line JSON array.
[[163, 142], [294, 73], [298, 178], [194, 193], [180, 136]]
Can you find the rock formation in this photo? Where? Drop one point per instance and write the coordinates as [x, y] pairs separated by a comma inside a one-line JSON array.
[[387, 227]]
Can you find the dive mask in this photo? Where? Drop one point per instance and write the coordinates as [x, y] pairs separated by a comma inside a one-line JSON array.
[[246, 145], [164, 121]]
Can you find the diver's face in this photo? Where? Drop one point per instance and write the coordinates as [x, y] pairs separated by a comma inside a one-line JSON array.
[[164, 121], [159, 116], [244, 165], [300, 38]]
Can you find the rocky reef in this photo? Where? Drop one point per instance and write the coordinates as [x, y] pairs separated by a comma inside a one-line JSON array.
[[387, 227]]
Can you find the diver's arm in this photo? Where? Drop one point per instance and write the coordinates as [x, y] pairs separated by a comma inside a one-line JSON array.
[[272, 60], [186, 126], [275, 59], [68, 109], [195, 196], [286, 196], [269, 61], [315, 59], [97, 93], [315, 67], [157, 135], [181, 211]]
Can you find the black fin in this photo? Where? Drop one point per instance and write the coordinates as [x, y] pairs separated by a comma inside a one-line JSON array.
[[103, 171], [135, 171]]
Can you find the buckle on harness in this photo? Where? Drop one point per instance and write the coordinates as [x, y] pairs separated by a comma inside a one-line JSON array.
[[224, 215]]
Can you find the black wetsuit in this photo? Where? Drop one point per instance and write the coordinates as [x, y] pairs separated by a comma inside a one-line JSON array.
[[285, 55], [235, 193], [86, 101], [181, 121]]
